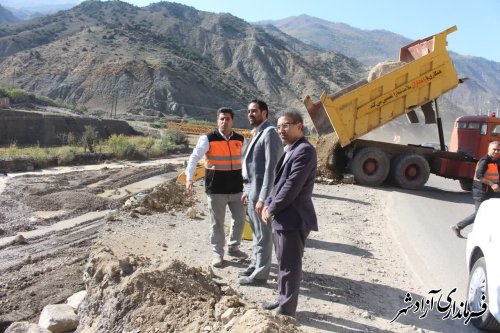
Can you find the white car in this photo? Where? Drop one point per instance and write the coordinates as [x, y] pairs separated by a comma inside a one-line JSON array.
[[483, 263]]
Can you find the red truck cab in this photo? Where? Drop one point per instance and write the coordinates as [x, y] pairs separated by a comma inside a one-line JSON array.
[[471, 135]]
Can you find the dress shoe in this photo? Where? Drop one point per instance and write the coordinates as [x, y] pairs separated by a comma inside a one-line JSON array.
[[271, 305], [248, 281], [247, 272], [456, 231], [237, 253], [217, 261], [279, 310]]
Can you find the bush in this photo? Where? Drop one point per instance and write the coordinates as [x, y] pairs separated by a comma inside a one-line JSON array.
[[89, 138], [42, 157], [163, 146], [121, 146], [65, 155], [19, 95], [157, 124], [177, 137], [71, 139], [80, 108], [13, 150]]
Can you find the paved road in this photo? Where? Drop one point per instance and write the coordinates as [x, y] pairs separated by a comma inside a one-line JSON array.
[[421, 223]]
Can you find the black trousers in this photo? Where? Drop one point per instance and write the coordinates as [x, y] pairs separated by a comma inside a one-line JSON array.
[[289, 247], [470, 219]]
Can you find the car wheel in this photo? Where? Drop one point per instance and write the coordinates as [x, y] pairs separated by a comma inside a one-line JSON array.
[[477, 287]]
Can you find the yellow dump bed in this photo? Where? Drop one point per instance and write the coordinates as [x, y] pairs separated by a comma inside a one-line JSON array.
[[426, 74]]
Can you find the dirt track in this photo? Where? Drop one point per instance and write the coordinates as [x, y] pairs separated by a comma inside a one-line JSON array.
[[354, 280]]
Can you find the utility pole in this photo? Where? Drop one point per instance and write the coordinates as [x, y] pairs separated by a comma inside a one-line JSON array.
[[112, 105], [116, 101]]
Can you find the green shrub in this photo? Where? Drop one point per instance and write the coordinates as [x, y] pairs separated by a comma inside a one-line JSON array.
[[177, 137], [13, 150], [163, 146], [65, 155], [42, 157], [19, 95], [71, 139], [121, 146], [157, 124], [89, 138], [80, 108], [4, 92]]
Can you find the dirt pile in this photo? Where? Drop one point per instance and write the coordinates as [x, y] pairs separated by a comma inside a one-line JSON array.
[[329, 165], [167, 197], [133, 294], [383, 68]]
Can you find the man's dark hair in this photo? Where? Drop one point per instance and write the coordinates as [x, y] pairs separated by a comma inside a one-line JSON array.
[[225, 110], [295, 115], [262, 106]]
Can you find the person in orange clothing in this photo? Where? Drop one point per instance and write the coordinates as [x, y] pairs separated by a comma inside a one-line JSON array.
[[486, 184], [223, 183]]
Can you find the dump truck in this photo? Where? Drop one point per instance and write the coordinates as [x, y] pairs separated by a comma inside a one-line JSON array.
[[424, 73]]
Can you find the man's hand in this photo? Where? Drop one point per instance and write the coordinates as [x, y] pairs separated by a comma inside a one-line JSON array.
[[244, 199], [189, 187], [265, 215], [259, 206], [495, 188]]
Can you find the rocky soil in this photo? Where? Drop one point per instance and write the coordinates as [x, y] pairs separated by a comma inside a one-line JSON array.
[[146, 267]]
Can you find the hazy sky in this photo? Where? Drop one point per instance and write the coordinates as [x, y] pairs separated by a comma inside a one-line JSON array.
[[478, 21]]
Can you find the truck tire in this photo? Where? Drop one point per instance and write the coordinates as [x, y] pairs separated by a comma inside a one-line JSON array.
[[466, 184], [370, 166], [410, 171], [336, 162]]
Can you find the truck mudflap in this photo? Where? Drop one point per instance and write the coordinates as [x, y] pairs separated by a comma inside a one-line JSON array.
[[427, 72], [454, 169]]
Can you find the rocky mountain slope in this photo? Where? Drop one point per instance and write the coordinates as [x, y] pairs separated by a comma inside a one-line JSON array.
[[368, 46], [478, 95], [25, 10], [6, 16], [166, 58], [176, 61]]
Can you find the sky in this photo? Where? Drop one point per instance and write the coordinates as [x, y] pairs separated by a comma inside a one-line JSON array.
[[478, 21]]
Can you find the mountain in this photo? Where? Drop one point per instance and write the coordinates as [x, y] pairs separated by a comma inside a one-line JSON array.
[[6, 16], [37, 8], [478, 95], [367, 46], [165, 58]]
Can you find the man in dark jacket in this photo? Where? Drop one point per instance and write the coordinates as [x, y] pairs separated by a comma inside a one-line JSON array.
[[485, 185], [290, 209]]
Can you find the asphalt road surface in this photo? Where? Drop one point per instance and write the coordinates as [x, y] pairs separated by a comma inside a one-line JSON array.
[[420, 221]]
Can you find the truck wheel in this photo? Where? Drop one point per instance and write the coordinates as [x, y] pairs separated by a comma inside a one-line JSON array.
[[478, 288], [370, 166], [466, 184], [336, 162], [410, 171]]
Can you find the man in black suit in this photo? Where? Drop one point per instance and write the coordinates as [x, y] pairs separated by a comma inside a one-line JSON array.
[[290, 209]]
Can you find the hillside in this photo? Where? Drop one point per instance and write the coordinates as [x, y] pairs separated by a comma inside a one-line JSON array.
[[478, 95], [24, 10], [6, 16], [164, 58], [369, 47]]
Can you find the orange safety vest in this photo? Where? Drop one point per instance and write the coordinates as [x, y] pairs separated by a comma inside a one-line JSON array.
[[492, 173], [224, 155]]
